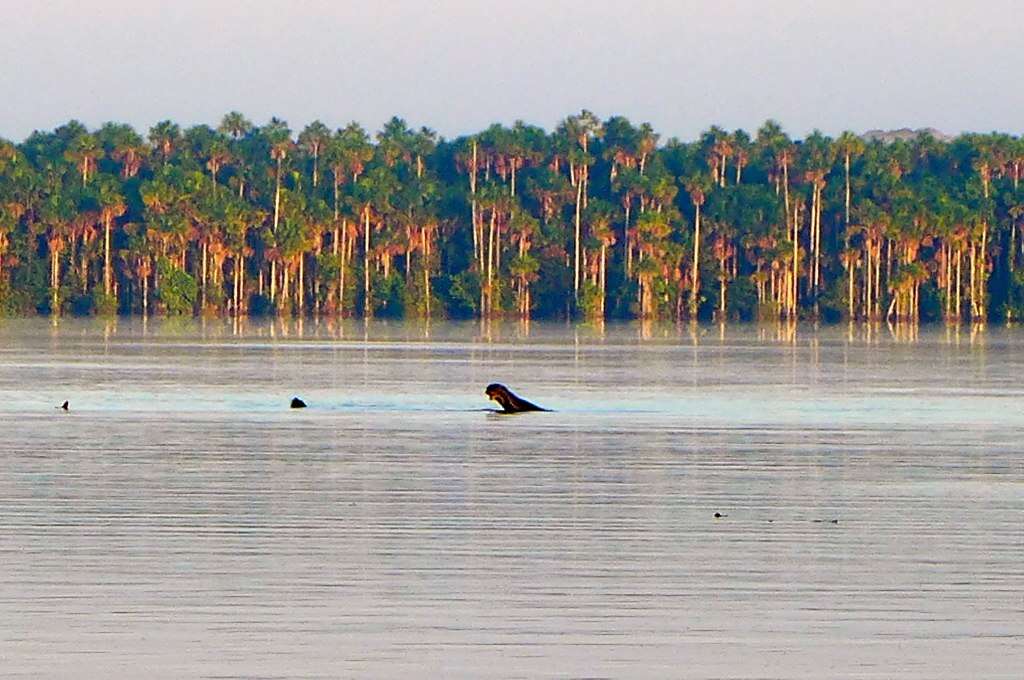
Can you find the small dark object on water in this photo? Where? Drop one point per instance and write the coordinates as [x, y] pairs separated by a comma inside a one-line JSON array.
[[298, 403], [64, 406], [719, 515], [509, 402]]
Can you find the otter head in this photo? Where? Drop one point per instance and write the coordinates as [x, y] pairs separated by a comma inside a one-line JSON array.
[[499, 393]]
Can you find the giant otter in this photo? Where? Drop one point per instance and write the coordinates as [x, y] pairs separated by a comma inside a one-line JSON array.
[[509, 402]]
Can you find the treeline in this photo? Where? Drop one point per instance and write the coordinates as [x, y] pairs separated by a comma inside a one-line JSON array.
[[595, 219]]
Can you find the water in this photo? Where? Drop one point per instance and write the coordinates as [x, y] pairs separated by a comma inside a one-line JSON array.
[[181, 521]]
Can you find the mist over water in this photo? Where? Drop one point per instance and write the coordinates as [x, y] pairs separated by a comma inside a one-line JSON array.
[[181, 521]]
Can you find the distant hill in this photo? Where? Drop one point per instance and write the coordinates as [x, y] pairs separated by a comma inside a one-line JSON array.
[[904, 134]]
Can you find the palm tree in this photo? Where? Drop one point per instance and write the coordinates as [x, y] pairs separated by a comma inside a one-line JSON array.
[[373, 196], [164, 136], [313, 139], [124, 145], [84, 152], [238, 220], [394, 142], [850, 259], [621, 141], [647, 143], [523, 267], [112, 205], [724, 251], [599, 219], [719, 152], [848, 146], [741, 146], [778, 149], [217, 155], [235, 125], [279, 139], [580, 129], [422, 145], [57, 217], [652, 235], [697, 186]]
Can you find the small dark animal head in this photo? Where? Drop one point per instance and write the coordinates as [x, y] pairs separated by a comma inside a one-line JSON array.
[[64, 406], [501, 394], [298, 403]]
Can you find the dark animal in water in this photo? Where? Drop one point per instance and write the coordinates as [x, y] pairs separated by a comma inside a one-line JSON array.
[[64, 406], [298, 403], [508, 401]]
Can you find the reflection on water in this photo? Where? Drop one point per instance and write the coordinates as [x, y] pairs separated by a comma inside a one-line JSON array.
[[181, 521]]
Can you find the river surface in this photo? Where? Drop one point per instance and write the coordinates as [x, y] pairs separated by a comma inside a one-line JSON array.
[[180, 521]]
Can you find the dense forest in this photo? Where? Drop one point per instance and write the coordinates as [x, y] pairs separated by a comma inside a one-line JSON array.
[[597, 219]]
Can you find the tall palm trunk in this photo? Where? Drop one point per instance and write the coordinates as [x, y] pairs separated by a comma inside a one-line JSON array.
[[785, 186], [878, 280], [867, 280], [949, 275], [426, 271], [107, 282], [983, 269], [277, 196], [367, 303], [273, 280], [959, 278], [54, 281], [234, 286], [626, 241], [576, 245], [491, 243], [796, 258], [695, 269], [473, 207], [721, 298], [849, 294], [284, 287], [847, 165], [205, 256], [300, 285], [343, 265], [973, 272], [817, 242]]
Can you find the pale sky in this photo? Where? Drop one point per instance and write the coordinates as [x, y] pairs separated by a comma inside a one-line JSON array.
[[458, 65]]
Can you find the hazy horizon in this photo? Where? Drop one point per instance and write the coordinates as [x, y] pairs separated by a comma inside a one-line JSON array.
[[457, 67]]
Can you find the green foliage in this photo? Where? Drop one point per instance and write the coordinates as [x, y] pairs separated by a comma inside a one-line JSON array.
[[833, 303], [178, 289], [590, 300], [742, 302], [389, 295], [504, 201], [1013, 307], [931, 302], [260, 305], [82, 304], [103, 304], [12, 301], [462, 292]]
